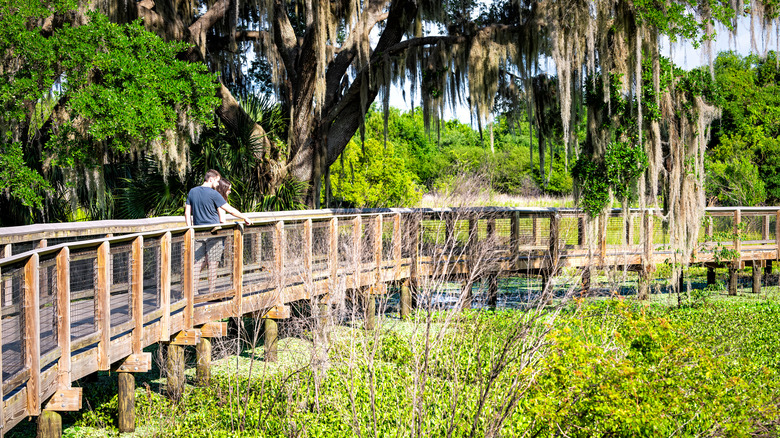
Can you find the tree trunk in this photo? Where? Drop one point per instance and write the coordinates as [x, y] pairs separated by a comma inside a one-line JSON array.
[[542, 174]]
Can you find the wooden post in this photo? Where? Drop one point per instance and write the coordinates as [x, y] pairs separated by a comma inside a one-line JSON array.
[[63, 318], [585, 281], [415, 224], [333, 255], [581, 232], [32, 334], [467, 290], [175, 368], [357, 234], [555, 248], [603, 220], [711, 278], [49, 424], [756, 277], [535, 229], [397, 254], [647, 257], [103, 305], [238, 269], [514, 241], [271, 339], [308, 251], [765, 228], [126, 402], [767, 270], [370, 299], [203, 356], [378, 253], [165, 287], [492, 290], [732, 279], [137, 293], [188, 278], [644, 286], [777, 233], [406, 300], [629, 224], [279, 261]]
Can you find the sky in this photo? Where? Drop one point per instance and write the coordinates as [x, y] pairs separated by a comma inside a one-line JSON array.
[[683, 54]]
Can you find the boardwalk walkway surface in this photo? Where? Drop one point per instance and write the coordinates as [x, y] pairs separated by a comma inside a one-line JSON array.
[[77, 298]]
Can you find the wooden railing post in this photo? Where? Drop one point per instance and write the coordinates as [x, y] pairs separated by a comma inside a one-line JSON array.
[[165, 287], [765, 228], [279, 256], [188, 278], [333, 255], [514, 240], [555, 249], [397, 253], [63, 318], [356, 247], [378, 252], [238, 269], [137, 293], [308, 254], [603, 220], [736, 262], [103, 305], [32, 334], [629, 234]]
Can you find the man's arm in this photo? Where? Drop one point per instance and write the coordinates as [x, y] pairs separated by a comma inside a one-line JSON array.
[[188, 215], [235, 213]]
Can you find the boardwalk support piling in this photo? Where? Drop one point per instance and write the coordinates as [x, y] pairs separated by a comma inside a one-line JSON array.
[[406, 300], [203, 367], [756, 277], [271, 329], [466, 293], [732, 279], [370, 321], [126, 402], [493, 291], [49, 424], [711, 278]]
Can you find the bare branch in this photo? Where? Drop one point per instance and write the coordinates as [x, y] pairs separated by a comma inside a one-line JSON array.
[[199, 28]]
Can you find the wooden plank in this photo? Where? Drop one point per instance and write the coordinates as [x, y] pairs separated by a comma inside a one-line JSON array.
[[186, 337], [278, 312], [238, 269], [63, 317], [308, 242], [188, 281], [333, 255], [83, 364], [137, 293], [136, 363], [216, 329], [165, 287], [357, 234], [15, 409], [32, 333], [397, 241], [65, 400], [103, 304]]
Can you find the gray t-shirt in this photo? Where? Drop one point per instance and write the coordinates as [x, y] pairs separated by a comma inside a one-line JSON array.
[[205, 203]]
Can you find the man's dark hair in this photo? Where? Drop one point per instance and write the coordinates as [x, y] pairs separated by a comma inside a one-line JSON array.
[[212, 174]]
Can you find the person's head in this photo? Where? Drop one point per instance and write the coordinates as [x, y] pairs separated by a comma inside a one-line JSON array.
[[223, 187], [212, 178]]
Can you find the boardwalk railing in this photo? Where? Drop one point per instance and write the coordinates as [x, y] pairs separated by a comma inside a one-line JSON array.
[[78, 298]]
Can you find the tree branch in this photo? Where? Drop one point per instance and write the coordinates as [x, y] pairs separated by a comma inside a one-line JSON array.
[[201, 26], [285, 39]]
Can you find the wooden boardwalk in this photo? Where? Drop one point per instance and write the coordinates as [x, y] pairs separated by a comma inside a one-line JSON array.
[[82, 297]]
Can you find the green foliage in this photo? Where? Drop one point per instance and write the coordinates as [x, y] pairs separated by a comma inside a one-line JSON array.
[[373, 175], [77, 96], [623, 164]]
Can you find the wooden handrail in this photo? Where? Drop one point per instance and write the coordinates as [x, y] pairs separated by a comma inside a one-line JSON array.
[[244, 290]]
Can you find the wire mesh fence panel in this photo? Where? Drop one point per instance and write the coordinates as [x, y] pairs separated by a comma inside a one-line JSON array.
[[409, 235], [433, 235], [151, 286], [293, 270], [177, 268], [47, 303], [13, 319], [83, 280], [503, 232], [213, 261], [723, 228], [320, 248], [751, 228], [346, 244], [388, 238], [660, 234], [615, 231], [258, 258], [529, 230], [121, 269], [18, 248], [569, 231]]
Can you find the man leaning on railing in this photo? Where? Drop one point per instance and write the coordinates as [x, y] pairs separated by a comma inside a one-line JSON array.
[[202, 208]]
